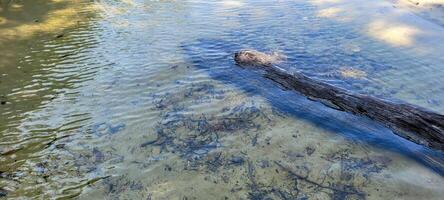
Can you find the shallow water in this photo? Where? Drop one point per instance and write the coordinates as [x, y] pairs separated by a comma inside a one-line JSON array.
[[142, 100]]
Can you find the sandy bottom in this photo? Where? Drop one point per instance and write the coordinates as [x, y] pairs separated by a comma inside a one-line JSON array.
[[146, 123], [212, 142]]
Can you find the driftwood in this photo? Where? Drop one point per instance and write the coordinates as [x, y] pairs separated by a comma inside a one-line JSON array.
[[408, 121]]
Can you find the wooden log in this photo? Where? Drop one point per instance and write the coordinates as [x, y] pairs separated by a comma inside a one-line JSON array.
[[408, 121]]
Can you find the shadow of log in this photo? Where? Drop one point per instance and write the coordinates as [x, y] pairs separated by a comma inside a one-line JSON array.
[[221, 67]]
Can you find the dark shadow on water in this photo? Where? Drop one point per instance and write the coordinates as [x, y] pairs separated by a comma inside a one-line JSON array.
[[221, 67]]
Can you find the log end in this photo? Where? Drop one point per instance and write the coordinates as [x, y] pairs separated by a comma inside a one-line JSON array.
[[249, 57]]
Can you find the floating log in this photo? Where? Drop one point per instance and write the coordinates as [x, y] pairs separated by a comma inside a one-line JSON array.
[[408, 121]]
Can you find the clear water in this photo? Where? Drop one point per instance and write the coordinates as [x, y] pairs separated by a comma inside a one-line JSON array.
[[143, 101]]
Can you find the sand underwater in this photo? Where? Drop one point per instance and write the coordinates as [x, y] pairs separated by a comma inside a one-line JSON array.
[[137, 99]]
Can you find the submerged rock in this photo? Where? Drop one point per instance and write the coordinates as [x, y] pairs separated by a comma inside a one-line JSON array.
[[3, 193], [348, 72], [237, 160]]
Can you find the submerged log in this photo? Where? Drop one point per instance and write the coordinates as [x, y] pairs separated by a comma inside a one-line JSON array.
[[408, 121]]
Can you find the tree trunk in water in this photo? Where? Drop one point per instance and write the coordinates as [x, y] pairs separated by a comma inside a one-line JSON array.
[[408, 121]]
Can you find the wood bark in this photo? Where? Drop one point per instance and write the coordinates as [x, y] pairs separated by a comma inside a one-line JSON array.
[[408, 121]]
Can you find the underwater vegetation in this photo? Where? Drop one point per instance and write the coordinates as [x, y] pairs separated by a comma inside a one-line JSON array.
[[142, 100], [200, 142]]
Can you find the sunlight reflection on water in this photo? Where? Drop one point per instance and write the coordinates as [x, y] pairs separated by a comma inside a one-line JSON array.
[[149, 104]]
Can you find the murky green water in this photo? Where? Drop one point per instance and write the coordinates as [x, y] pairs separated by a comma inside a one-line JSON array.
[[142, 100]]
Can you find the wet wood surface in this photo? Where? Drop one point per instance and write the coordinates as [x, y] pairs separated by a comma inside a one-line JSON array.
[[408, 121]]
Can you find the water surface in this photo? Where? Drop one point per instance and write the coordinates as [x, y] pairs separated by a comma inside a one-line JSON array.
[[142, 100]]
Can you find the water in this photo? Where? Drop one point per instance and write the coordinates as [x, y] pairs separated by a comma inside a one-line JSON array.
[[142, 100]]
